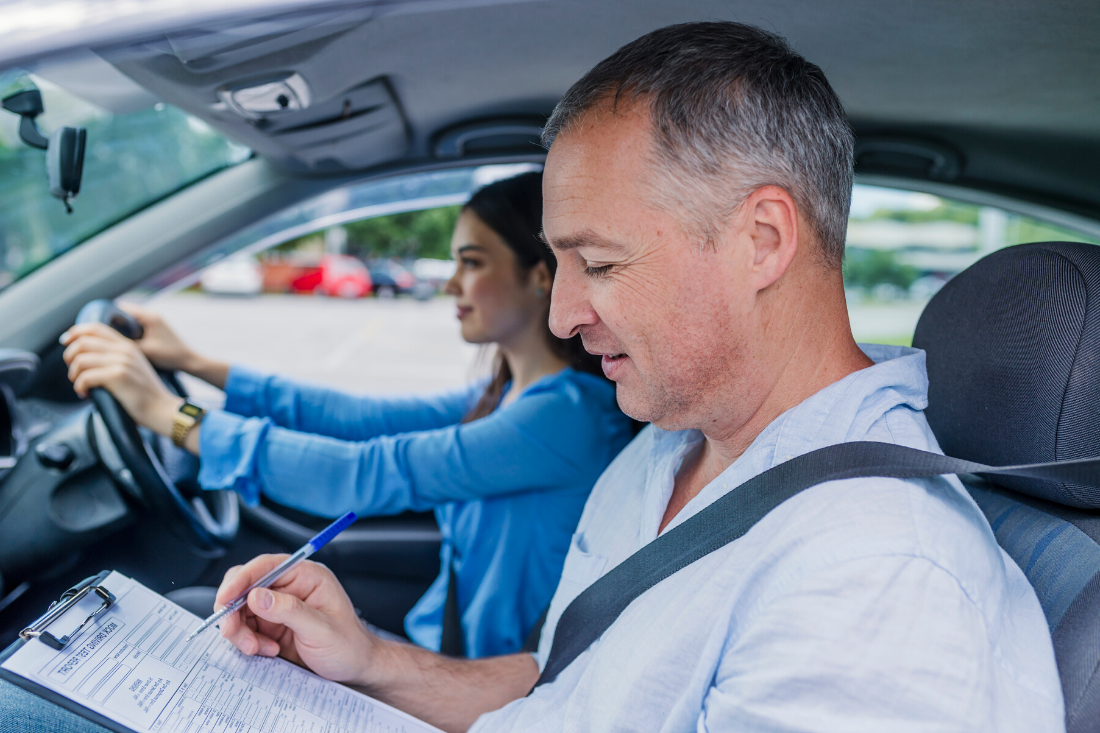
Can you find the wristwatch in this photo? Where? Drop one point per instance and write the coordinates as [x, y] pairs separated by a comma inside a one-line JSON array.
[[186, 418]]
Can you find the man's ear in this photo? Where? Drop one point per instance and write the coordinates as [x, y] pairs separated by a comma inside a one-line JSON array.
[[769, 219]]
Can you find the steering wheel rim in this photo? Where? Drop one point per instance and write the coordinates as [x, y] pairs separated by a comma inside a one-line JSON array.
[[206, 530]]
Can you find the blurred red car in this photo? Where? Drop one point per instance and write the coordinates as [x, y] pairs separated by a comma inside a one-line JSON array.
[[337, 276]]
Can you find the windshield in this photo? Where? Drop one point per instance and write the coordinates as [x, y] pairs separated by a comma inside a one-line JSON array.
[[131, 161]]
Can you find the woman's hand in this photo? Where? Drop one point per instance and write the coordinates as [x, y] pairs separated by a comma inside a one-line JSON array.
[[99, 356], [305, 616], [168, 351], [160, 343]]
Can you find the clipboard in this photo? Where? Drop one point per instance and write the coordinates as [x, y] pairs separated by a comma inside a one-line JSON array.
[[129, 655], [41, 629]]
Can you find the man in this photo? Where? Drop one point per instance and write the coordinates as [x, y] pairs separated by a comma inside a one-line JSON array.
[[696, 196]]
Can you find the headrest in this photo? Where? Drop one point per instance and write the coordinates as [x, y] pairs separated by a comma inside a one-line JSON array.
[[1013, 345]]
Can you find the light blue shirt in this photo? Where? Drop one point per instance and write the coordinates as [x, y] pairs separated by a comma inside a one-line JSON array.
[[859, 605], [507, 489]]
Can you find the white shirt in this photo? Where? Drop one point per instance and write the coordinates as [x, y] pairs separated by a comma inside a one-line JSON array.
[[859, 605]]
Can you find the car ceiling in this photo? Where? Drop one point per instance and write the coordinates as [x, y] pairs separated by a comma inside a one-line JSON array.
[[1005, 92]]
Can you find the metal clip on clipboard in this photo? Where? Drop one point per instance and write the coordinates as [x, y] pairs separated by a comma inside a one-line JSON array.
[[69, 598]]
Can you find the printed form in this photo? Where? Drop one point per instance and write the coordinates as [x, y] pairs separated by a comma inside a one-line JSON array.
[[131, 665]]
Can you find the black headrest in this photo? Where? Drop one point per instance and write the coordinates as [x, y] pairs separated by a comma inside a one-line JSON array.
[[1013, 346]]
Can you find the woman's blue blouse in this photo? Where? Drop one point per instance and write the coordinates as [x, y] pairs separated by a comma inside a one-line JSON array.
[[507, 490]]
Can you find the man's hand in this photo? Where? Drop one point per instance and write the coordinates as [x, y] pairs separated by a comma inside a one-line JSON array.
[[99, 356], [305, 616]]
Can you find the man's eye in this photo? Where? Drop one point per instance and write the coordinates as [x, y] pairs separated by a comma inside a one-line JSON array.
[[597, 271]]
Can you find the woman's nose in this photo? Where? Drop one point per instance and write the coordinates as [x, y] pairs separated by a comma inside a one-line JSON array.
[[451, 287]]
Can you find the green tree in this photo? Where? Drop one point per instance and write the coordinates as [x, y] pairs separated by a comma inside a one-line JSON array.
[[867, 268], [424, 233], [946, 211]]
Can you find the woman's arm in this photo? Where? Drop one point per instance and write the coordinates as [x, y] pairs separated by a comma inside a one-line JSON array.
[[540, 442], [294, 405], [323, 411]]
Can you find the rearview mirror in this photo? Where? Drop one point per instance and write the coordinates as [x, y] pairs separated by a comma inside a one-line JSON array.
[[64, 148], [65, 163]]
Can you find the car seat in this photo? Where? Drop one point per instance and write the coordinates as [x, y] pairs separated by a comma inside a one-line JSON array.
[[1013, 350]]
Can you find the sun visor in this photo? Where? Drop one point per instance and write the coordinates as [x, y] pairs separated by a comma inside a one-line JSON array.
[[358, 129]]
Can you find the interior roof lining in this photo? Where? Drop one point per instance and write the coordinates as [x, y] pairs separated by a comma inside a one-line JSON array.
[[998, 81]]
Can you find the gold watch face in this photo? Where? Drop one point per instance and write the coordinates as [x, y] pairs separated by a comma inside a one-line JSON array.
[[191, 410]]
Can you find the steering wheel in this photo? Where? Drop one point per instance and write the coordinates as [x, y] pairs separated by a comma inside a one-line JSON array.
[[155, 472]]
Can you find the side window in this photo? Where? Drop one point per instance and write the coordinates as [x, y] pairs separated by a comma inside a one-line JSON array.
[[345, 290], [903, 246]]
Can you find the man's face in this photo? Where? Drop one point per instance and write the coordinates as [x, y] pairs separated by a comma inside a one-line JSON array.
[[668, 312]]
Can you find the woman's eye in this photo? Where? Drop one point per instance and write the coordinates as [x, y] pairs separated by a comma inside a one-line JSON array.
[[597, 271], [467, 262]]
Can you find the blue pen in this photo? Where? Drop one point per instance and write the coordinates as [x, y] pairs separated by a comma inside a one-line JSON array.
[[308, 549]]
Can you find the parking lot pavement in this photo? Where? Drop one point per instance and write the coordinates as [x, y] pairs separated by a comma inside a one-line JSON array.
[[370, 345]]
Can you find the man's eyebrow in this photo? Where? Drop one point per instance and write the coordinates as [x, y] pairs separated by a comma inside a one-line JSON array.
[[581, 239]]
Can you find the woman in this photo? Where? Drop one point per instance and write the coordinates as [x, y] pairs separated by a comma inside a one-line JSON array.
[[506, 466]]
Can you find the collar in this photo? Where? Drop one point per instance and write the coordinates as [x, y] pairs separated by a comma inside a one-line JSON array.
[[841, 412]]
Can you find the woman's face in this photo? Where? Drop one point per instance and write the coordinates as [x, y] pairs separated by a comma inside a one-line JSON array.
[[496, 303]]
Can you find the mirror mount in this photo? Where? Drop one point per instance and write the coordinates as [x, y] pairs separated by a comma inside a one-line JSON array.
[[64, 148], [28, 105]]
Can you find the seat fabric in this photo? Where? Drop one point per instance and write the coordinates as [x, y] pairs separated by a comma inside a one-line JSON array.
[[1013, 350], [198, 599], [1058, 550]]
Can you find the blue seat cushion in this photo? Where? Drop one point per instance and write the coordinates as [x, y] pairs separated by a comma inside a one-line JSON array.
[[1058, 551]]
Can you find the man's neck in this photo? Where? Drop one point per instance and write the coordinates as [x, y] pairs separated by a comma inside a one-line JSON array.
[[811, 368]]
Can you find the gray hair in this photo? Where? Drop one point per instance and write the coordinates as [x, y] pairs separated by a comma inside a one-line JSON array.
[[734, 108]]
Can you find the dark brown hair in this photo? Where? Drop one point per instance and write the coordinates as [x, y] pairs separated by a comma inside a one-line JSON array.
[[513, 209]]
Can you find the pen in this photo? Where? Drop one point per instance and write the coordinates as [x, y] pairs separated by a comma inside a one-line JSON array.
[[308, 549]]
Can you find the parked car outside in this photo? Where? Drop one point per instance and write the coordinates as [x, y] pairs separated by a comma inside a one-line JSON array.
[[233, 276], [390, 278], [338, 276], [431, 275]]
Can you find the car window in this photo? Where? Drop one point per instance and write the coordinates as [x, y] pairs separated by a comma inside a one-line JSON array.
[[397, 334], [903, 246], [131, 161]]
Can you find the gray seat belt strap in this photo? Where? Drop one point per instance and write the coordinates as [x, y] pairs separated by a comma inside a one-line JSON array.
[[735, 513]]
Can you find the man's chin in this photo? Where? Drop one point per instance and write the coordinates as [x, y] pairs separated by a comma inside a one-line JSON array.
[[634, 405], [646, 407]]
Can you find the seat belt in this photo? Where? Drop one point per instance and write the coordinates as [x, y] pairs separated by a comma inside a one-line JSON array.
[[735, 513]]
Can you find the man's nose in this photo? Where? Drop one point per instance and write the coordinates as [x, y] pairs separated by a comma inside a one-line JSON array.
[[569, 306]]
